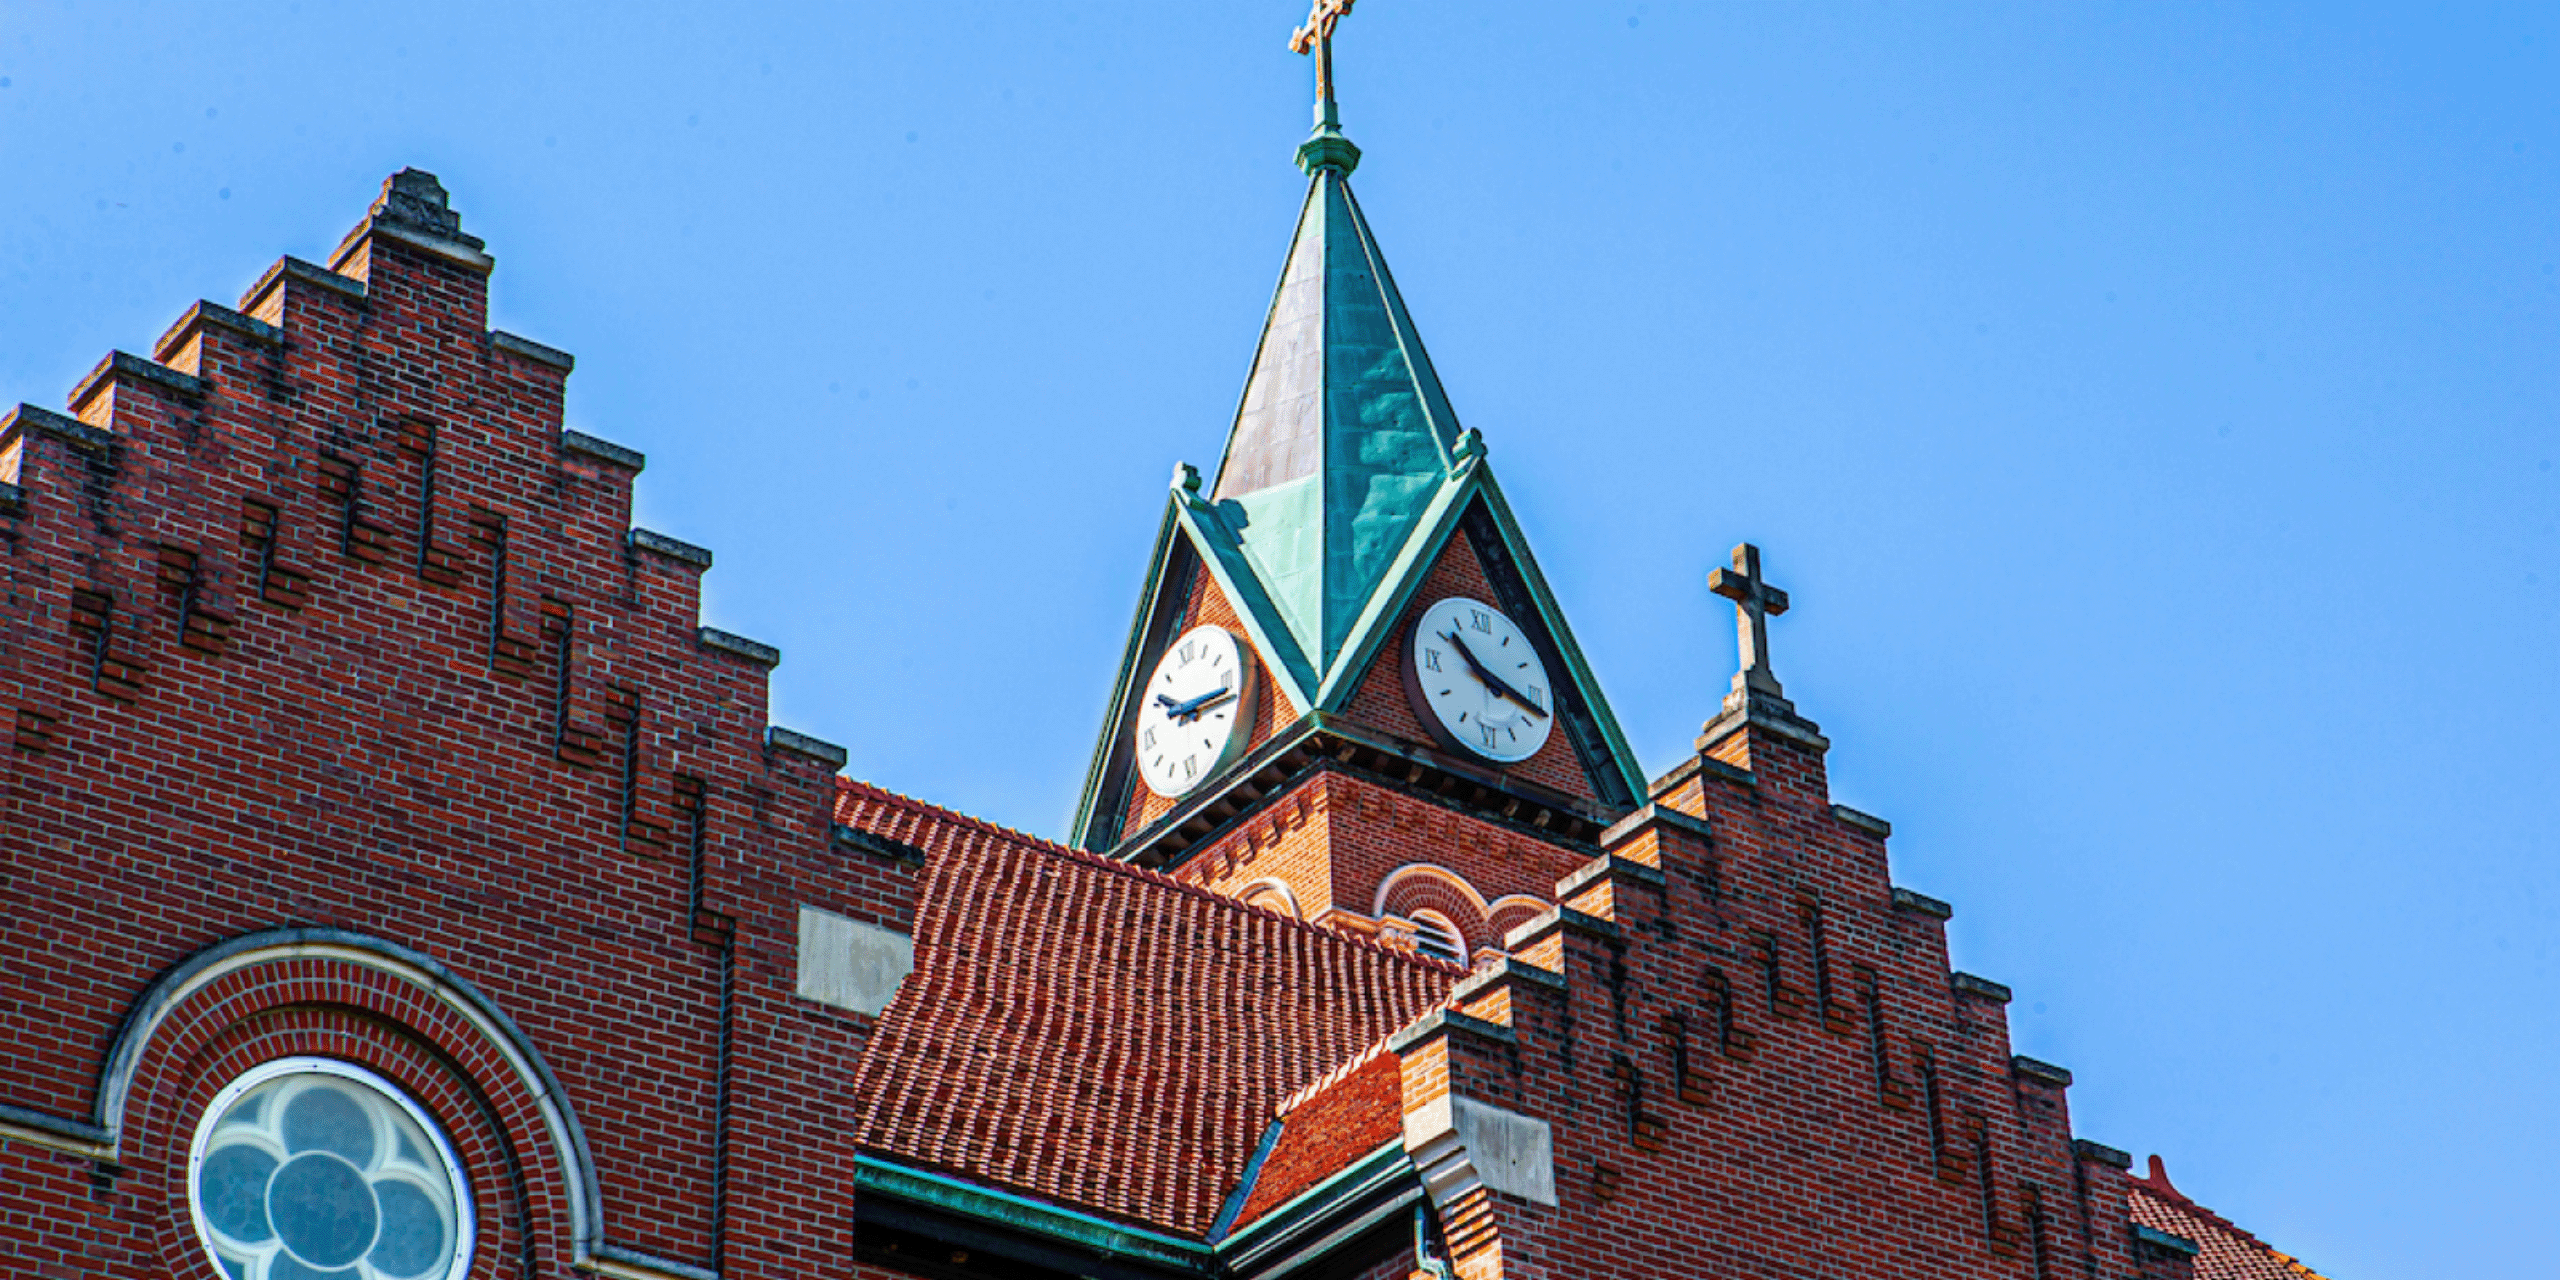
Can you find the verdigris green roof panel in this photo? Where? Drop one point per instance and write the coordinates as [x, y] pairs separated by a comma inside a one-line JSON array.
[[1278, 432], [1343, 401], [1426, 380], [1382, 461], [1281, 529]]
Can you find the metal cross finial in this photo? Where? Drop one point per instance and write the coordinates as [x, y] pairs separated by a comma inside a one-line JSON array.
[[1754, 603], [1317, 36]]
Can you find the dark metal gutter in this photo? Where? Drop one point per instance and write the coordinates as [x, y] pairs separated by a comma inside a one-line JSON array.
[[1310, 1227], [1324, 1217]]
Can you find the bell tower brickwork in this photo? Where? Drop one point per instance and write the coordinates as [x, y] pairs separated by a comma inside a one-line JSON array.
[[348, 715], [1339, 838], [1360, 849]]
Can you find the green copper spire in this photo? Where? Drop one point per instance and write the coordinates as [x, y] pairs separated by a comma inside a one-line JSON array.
[[1344, 436], [1345, 480]]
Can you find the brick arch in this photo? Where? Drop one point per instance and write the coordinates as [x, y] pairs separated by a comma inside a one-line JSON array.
[[1425, 886], [186, 1070], [385, 1006], [1271, 893], [1503, 915]]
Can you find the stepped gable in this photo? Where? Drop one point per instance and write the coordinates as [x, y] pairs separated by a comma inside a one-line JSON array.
[[1729, 1005], [1085, 1032], [327, 651], [2224, 1251]]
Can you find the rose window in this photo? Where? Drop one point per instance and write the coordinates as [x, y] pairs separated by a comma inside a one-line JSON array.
[[312, 1169]]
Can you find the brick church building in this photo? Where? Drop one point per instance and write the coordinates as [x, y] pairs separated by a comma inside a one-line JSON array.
[[400, 883]]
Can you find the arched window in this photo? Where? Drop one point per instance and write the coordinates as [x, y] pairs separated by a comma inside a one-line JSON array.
[[1434, 936], [311, 1167], [1506, 914]]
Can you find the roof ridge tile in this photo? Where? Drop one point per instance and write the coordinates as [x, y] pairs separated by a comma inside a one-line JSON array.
[[1352, 1064], [2168, 1194], [924, 811]]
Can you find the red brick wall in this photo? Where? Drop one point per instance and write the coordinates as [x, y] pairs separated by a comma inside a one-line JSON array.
[[1327, 1133], [264, 672], [1799, 1134]]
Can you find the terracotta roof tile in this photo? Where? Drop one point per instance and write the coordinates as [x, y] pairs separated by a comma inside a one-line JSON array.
[[1340, 1072], [1105, 1037], [1356, 1109], [2226, 1251]]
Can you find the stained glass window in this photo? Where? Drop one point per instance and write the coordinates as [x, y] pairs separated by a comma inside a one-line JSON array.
[[314, 1169]]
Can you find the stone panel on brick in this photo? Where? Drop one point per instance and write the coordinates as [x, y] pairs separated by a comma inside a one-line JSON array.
[[851, 964]]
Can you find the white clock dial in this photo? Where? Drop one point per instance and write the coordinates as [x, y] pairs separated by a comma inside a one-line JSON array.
[[1477, 682], [1194, 711]]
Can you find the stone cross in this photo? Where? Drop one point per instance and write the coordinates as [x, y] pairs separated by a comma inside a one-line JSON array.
[[1317, 35], [1754, 603]]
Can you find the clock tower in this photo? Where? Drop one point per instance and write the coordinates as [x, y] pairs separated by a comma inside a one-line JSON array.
[[1408, 742]]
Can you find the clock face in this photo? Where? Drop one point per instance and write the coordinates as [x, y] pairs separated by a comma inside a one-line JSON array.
[[1477, 682], [1196, 707]]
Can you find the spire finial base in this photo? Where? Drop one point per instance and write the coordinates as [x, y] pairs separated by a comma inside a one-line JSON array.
[[1328, 148]]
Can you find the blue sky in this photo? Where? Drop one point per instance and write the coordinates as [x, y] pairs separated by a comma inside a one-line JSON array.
[[2151, 408]]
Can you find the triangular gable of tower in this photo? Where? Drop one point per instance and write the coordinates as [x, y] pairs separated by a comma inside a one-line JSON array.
[[1197, 574], [1471, 545], [1206, 603]]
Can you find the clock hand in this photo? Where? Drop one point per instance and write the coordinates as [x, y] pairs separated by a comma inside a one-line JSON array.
[[1503, 688], [1468, 656], [1186, 712], [1492, 681]]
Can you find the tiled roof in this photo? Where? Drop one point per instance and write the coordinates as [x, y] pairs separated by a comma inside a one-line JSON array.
[[1343, 1070], [1100, 1036], [2225, 1252], [1354, 1110]]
